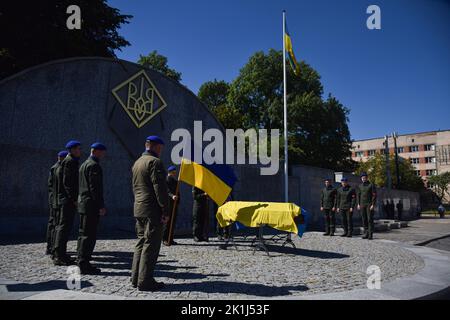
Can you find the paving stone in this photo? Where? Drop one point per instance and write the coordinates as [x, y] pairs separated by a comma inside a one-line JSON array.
[[200, 270]]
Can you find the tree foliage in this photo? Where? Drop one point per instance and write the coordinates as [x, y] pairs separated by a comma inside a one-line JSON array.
[[376, 169], [214, 94], [159, 63], [441, 183], [318, 133], [34, 32]]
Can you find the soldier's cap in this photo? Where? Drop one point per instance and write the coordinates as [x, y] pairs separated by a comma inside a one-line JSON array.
[[344, 180], [63, 154], [363, 174], [171, 168], [72, 143], [155, 139], [98, 146], [327, 179]]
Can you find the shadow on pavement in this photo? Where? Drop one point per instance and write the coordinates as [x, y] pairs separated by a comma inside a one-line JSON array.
[[306, 252], [43, 286], [235, 287]]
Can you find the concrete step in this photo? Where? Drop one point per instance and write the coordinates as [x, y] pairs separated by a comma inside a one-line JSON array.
[[381, 227], [356, 231], [395, 225], [403, 224]]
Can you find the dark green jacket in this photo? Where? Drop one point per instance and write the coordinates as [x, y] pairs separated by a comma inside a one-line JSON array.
[[172, 190], [200, 200], [149, 187], [67, 179], [366, 194], [172, 186], [327, 197], [52, 183], [90, 198], [198, 194], [345, 198]]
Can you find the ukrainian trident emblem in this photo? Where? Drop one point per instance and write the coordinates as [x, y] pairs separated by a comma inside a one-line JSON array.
[[139, 98]]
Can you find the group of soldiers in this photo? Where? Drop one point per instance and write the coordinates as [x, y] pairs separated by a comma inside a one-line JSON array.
[[75, 189], [79, 189], [343, 201]]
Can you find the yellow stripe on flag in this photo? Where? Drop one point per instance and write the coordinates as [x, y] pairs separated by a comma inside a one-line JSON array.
[[197, 175]]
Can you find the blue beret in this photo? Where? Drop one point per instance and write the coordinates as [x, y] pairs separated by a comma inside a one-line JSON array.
[[363, 174], [72, 143], [63, 154], [171, 168], [344, 180], [98, 146], [155, 139]]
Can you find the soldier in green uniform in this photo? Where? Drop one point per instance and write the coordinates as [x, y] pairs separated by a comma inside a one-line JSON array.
[[327, 200], [345, 202], [90, 206], [366, 199], [67, 190], [151, 212], [53, 203], [173, 197], [199, 214]]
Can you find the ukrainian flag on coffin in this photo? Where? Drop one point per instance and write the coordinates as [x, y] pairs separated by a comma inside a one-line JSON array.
[[290, 52], [217, 180]]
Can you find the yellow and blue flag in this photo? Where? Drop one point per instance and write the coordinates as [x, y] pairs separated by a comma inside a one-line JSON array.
[[217, 180], [290, 51]]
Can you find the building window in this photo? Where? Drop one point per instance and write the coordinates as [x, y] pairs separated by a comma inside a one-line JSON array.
[[400, 150], [371, 153], [417, 172], [430, 185], [429, 147], [359, 154], [414, 160], [430, 160], [431, 172], [413, 148], [382, 151]]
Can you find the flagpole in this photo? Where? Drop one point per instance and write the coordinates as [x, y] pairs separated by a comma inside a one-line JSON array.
[[286, 185]]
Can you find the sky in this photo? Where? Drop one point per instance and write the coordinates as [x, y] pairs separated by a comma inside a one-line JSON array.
[[393, 79]]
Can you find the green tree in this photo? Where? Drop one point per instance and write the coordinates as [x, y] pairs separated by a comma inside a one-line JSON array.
[[441, 183], [214, 95], [317, 129], [158, 62], [34, 32], [376, 169]]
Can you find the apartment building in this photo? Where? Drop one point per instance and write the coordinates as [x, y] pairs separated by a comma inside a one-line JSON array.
[[428, 152]]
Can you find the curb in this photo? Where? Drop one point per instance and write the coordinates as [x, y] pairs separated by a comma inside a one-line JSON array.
[[429, 283]]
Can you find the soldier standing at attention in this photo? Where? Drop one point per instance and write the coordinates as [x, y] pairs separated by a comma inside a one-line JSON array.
[[151, 212], [327, 200], [90, 206], [345, 202], [173, 198], [67, 189], [53, 203], [366, 197], [199, 214]]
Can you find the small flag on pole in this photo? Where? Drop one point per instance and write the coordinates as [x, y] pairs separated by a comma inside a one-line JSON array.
[[290, 51]]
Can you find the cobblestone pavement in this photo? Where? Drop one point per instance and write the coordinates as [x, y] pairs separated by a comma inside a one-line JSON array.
[[199, 270]]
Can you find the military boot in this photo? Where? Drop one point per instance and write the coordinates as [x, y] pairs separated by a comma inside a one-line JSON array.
[[366, 235]]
